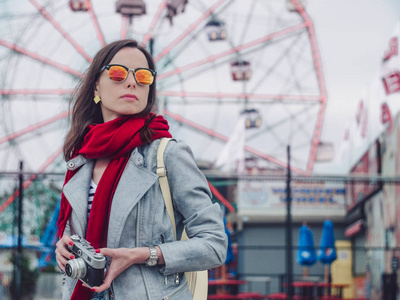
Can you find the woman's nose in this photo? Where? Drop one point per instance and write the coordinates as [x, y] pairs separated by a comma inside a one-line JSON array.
[[130, 80]]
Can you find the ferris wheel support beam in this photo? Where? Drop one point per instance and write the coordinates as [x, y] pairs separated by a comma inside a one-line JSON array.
[[100, 35], [35, 92], [40, 58], [61, 30], [321, 84], [33, 127], [236, 49], [30, 180], [124, 25], [224, 138], [154, 22], [193, 26], [218, 95]]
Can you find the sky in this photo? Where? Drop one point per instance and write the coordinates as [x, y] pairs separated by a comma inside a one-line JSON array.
[[352, 37]]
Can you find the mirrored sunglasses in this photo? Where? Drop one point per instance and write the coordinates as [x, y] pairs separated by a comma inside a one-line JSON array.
[[119, 73]]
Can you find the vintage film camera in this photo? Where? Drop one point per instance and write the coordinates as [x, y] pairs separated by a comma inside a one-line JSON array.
[[88, 266]]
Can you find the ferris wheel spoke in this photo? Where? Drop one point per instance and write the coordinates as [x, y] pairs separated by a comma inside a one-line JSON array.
[[194, 125], [61, 30], [314, 47], [224, 138], [280, 122], [193, 26], [154, 22], [30, 180], [272, 159], [40, 58], [236, 49], [10, 92], [99, 32], [270, 129], [277, 62], [220, 95], [316, 137], [249, 15], [34, 127]]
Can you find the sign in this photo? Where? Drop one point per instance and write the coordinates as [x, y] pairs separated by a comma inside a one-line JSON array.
[[391, 82], [270, 194], [369, 164]]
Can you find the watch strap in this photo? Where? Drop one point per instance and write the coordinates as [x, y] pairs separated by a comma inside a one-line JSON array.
[[153, 259]]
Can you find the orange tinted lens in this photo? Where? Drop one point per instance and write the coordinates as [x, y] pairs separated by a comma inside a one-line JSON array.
[[117, 73], [144, 77]]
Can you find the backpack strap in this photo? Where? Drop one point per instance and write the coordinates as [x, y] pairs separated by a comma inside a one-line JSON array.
[[197, 281], [162, 177]]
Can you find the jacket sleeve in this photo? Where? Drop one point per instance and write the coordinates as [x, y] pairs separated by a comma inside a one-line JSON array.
[[207, 246]]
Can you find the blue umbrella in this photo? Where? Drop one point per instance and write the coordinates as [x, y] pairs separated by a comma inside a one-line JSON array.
[[306, 252], [327, 250]]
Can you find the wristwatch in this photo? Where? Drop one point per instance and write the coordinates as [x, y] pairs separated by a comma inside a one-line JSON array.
[[153, 259]]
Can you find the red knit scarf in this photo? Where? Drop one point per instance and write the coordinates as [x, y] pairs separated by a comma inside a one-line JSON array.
[[114, 140]]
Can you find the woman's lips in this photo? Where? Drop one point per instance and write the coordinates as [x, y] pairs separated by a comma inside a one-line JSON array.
[[129, 97]]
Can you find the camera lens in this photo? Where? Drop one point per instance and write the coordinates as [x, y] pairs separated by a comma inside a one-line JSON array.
[[75, 268]]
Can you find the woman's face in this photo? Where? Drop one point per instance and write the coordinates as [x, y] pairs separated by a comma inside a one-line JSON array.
[[127, 97]]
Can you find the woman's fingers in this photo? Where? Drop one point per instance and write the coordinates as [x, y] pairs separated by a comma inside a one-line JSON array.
[[120, 261], [62, 252]]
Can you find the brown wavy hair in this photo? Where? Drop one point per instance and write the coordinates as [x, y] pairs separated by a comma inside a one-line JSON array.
[[85, 111]]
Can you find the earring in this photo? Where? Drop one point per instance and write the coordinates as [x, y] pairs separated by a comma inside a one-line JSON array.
[[97, 99]]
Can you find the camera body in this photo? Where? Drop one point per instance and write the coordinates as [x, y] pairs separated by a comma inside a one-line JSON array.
[[88, 266]]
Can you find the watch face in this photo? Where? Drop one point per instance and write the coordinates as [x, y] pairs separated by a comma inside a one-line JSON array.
[[153, 259], [151, 262]]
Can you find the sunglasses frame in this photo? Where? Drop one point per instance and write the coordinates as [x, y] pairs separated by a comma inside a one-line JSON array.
[[154, 73]]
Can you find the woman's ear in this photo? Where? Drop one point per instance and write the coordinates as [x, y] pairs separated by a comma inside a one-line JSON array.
[[96, 90]]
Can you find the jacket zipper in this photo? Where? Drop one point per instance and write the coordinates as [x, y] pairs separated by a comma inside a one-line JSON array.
[[162, 239], [177, 291]]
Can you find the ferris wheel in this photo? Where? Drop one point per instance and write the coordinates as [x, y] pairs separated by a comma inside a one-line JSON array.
[[216, 60]]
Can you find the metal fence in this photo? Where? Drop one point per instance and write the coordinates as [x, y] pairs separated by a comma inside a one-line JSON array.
[[27, 227]]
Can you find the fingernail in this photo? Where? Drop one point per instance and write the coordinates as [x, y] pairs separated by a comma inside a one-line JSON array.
[[97, 250], [72, 257], [93, 289], [71, 243]]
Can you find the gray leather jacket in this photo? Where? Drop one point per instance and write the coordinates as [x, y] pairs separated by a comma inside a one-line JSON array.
[[138, 218]]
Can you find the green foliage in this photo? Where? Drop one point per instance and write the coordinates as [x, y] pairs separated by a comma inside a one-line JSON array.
[[39, 201]]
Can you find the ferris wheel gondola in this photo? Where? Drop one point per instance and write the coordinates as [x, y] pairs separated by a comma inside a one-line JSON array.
[[253, 118], [78, 5], [216, 30], [241, 70], [130, 8]]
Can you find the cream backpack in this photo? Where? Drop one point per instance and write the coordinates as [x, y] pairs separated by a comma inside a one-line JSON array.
[[198, 280]]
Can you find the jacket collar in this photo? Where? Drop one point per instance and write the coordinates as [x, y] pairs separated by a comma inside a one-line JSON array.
[[135, 181], [76, 191]]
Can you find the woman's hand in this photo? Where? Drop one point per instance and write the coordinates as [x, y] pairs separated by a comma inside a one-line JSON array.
[[121, 259], [62, 252]]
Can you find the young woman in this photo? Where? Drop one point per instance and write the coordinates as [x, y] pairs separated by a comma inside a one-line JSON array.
[[111, 152]]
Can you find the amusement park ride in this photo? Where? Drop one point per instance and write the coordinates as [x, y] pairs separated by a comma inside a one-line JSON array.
[[216, 60]]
